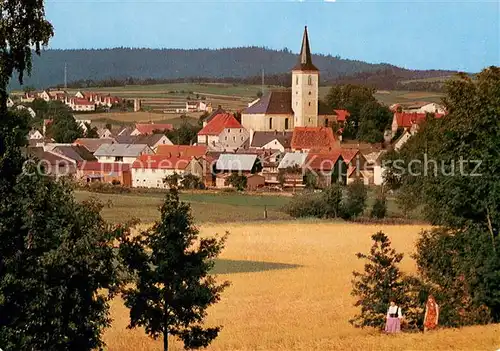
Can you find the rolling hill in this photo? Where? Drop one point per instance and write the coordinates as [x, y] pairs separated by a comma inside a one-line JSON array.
[[235, 63]]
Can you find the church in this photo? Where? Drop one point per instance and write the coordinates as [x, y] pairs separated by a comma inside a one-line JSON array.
[[283, 110]]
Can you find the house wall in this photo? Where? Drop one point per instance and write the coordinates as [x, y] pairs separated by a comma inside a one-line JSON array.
[[274, 145], [233, 137], [208, 139], [255, 181], [431, 108], [125, 177], [112, 159], [83, 107], [378, 175], [261, 122], [394, 126], [402, 140], [163, 141], [305, 98], [151, 178]]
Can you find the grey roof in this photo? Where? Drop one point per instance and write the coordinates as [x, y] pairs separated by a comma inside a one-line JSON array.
[[121, 150], [236, 162], [305, 60], [75, 152], [214, 113], [92, 144], [292, 159], [273, 102], [149, 139], [260, 139]]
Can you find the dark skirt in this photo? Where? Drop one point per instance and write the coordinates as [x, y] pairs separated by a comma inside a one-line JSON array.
[[393, 325]]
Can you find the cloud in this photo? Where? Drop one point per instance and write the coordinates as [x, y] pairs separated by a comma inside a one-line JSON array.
[[330, 0]]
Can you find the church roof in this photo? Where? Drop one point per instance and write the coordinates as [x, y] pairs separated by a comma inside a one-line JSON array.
[[273, 102], [305, 60]]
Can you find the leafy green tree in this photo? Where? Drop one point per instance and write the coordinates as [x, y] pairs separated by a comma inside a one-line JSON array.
[[351, 98], [190, 181], [457, 185], [310, 180], [238, 181], [381, 281], [173, 180], [355, 200], [185, 134], [379, 208], [64, 128], [91, 131], [332, 203], [374, 120], [173, 287]]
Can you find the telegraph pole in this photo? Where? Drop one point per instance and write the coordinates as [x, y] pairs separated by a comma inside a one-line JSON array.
[[65, 76]]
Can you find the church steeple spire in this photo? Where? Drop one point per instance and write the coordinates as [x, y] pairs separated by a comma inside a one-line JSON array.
[[305, 60]]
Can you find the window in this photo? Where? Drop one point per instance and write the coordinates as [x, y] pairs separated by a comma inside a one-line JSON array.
[[310, 93], [309, 80], [119, 159], [240, 130], [153, 170], [234, 138], [241, 138], [286, 124], [309, 103], [225, 138], [326, 122], [296, 80], [309, 120], [270, 123]]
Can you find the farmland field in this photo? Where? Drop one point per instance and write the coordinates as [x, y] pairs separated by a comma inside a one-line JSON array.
[[303, 301]]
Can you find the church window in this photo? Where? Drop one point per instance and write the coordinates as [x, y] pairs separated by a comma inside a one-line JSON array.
[[309, 93], [297, 80], [270, 123], [286, 123], [309, 103], [309, 120], [309, 80]]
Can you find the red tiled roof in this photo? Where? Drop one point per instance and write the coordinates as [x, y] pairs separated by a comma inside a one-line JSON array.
[[182, 150], [161, 162], [104, 166], [407, 119], [348, 154], [82, 102], [149, 128], [219, 123], [342, 115], [319, 138], [323, 162]]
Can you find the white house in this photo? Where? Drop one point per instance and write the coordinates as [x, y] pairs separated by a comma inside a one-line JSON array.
[[223, 132], [150, 171], [123, 153], [104, 133], [431, 108], [35, 135], [83, 123], [82, 105], [270, 140], [44, 95]]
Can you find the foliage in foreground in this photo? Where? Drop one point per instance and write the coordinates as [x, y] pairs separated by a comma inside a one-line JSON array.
[[173, 287], [457, 185], [382, 281]]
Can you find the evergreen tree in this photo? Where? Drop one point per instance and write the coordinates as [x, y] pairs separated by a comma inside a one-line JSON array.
[[173, 287], [381, 281]]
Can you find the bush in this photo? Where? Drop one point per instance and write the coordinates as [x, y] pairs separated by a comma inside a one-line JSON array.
[[238, 181], [379, 209], [355, 200], [306, 205], [190, 181]]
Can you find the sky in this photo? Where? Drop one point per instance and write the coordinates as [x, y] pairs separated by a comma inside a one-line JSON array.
[[455, 35]]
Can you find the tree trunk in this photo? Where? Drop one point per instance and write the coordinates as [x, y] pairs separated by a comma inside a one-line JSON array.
[[165, 341]]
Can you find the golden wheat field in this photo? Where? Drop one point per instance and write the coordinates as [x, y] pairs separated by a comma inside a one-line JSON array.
[[302, 308]]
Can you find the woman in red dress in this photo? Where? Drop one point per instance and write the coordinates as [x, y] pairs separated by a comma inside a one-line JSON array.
[[431, 314]]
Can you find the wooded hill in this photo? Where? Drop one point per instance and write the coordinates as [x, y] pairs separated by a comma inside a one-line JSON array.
[[168, 64]]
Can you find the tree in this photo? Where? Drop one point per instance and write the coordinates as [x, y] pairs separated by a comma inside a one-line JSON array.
[[64, 128], [310, 180], [238, 181], [374, 119], [351, 98], [379, 208], [173, 288], [91, 131], [259, 94], [355, 201], [454, 178], [172, 180], [185, 134], [191, 181], [380, 282]]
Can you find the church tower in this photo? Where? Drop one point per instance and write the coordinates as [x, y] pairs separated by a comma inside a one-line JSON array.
[[305, 81]]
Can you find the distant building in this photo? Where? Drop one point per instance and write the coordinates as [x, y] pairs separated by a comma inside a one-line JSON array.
[[409, 121], [152, 140], [92, 144], [151, 128], [223, 132], [319, 139], [271, 140], [283, 110], [122, 153]]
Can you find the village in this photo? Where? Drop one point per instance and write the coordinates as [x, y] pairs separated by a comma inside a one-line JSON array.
[[276, 140]]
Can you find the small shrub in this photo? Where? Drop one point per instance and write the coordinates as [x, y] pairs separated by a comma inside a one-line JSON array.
[[238, 181], [379, 209], [190, 181], [355, 200], [306, 205]]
